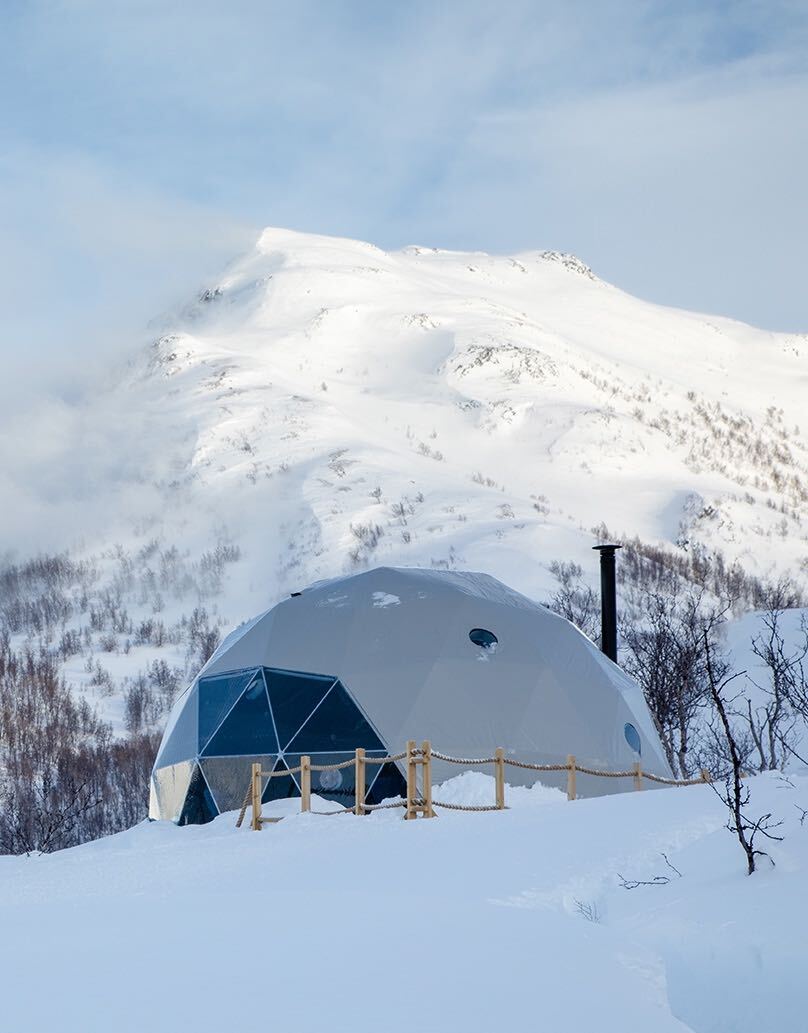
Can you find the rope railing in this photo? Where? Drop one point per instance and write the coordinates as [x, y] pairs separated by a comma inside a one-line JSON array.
[[463, 806], [422, 805], [332, 767], [466, 761]]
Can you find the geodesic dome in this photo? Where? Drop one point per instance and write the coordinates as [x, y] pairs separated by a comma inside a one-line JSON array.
[[374, 659]]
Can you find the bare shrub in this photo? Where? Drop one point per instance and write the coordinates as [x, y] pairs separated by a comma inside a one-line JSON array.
[[64, 780], [367, 537], [735, 794], [574, 599]]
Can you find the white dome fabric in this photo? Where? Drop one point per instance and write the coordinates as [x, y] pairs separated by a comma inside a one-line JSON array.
[[384, 656]]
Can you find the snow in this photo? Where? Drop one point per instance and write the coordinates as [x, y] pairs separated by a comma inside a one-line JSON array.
[[485, 412], [327, 406], [469, 922]]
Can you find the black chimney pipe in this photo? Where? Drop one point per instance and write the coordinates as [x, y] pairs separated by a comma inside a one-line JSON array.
[[608, 600]]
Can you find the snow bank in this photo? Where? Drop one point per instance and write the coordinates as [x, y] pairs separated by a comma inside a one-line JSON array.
[[472, 922]]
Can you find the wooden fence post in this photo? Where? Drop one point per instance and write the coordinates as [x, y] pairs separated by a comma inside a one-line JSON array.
[[571, 787], [359, 782], [256, 797], [426, 768], [638, 776], [305, 783], [499, 774], [411, 790]]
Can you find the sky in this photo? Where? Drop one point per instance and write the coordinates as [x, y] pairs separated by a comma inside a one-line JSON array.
[[143, 144]]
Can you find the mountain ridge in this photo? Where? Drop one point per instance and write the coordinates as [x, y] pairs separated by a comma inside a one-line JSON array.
[[327, 404]]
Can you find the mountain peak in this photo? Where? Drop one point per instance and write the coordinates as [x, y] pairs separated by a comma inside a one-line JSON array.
[[334, 404]]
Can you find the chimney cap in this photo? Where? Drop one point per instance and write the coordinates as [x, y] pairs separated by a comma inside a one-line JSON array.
[[603, 548]]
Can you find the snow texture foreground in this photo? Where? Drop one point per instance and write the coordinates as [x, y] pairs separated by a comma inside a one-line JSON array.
[[468, 922]]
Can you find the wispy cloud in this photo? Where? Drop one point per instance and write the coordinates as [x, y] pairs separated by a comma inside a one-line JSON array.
[[145, 143], [87, 258]]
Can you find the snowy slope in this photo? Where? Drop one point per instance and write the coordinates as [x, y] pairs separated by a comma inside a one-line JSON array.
[[327, 405], [319, 371], [481, 411], [469, 922]]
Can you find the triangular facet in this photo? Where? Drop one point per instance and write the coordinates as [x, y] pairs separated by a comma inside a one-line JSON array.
[[171, 788], [340, 784], [180, 743], [337, 724], [388, 785], [216, 696], [229, 778], [248, 728], [200, 806], [280, 787], [294, 697]]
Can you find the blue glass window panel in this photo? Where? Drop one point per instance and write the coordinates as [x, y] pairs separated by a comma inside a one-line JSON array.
[[388, 785], [248, 728], [294, 697], [280, 788], [339, 786], [200, 806], [337, 724], [216, 696], [180, 743], [229, 778], [633, 738]]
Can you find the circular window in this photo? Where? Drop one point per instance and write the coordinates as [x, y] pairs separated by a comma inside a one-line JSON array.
[[633, 738], [484, 639], [330, 780]]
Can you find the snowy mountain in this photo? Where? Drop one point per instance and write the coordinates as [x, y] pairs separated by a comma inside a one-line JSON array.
[[332, 404], [327, 405]]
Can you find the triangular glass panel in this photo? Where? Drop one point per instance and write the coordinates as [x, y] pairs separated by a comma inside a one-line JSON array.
[[229, 778], [336, 725], [171, 787], [280, 787], [180, 743], [294, 696], [372, 772], [200, 806], [248, 728], [216, 696], [388, 785], [339, 785]]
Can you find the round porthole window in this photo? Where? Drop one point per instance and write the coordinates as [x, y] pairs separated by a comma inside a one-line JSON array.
[[330, 780], [633, 738], [484, 639]]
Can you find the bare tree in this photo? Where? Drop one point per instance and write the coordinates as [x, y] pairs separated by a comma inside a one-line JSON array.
[[664, 634], [63, 778], [773, 725], [574, 599], [735, 794], [795, 681], [202, 639], [46, 815], [713, 753]]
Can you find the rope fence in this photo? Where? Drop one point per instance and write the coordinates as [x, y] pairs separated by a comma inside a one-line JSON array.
[[422, 805]]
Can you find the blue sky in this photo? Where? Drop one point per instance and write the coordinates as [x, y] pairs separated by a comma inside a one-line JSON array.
[[145, 143]]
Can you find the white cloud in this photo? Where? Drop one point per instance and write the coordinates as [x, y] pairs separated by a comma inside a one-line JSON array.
[[146, 143], [687, 193], [88, 258]]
